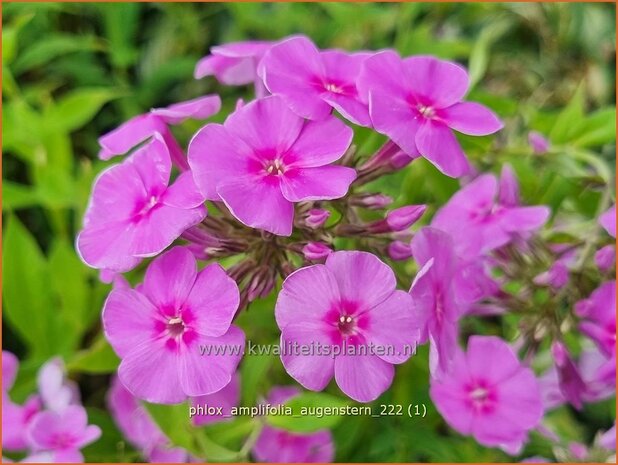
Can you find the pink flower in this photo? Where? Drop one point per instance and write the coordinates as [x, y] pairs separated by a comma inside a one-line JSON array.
[[538, 142], [265, 158], [234, 64], [416, 101], [141, 127], [15, 418], [312, 82], [277, 445], [160, 329], [481, 222], [139, 428], [489, 395], [605, 257], [56, 391], [226, 399], [608, 221], [599, 315], [347, 306], [62, 434], [134, 213], [435, 295]]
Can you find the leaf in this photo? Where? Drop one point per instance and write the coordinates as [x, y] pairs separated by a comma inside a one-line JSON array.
[[100, 358], [479, 56], [597, 129], [78, 107], [111, 447], [45, 51], [69, 278], [253, 371], [568, 117], [16, 196], [174, 422], [214, 452], [26, 288], [308, 421]]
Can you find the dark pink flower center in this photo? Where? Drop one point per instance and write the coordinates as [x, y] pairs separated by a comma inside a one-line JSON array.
[[63, 440], [175, 327], [275, 167], [146, 206], [481, 397], [347, 325], [426, 111]]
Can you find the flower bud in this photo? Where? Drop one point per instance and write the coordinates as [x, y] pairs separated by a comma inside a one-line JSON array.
[[538, 142], [509, 188], [404, 217], [316, 251], [571, 383], [399, 250], [371, 201], [605, 257], [556, 277], [316, 217]]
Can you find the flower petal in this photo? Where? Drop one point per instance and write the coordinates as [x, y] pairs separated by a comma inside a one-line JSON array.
[[311, 370], [183, 193], [258, 203], [169, 278], [215, 156], [150, 371], [471, 118], [438, 144], [319, 183], [436, 83], [319, 143], [128, 320], [363, 377], [206, 374], [266, 125], [394, 328], [362, 277], [197, 108], [293, 69], [306, 295], [383, 74], [213, 301]]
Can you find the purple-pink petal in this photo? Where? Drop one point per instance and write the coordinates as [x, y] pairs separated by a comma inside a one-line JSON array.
[[471, 118]]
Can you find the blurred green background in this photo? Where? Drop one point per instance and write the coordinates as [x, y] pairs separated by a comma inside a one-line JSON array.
[[74, 71]]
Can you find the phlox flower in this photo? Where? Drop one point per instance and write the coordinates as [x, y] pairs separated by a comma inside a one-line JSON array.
[[434, 293], [312, 82], [139, 428], [61, 435], [599, 317], [608, 221], [481, 219], [489, 395], [417, 102], [134, 212], [234, 64], [277, 445], [159, 329], [56, 392], [265, 158], [15, 417], [141, 127], [348, 302]]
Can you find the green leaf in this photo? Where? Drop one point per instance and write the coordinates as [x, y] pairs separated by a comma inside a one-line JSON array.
[[45, 51], [174, 422], [100, 358], [16, 196], [69, 278], [568, 117], [27, 296], [78, 107], [303, 418], [597, 129], [253, 371], [479, 56], [214, 452]]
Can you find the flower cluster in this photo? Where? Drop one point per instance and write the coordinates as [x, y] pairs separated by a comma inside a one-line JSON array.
[[277, 190], [51, 425]]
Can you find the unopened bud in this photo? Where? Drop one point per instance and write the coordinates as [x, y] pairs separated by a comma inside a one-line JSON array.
[[316, 251], [371, 201], [316, 217], [605, 257], [399, 250], [398, 219]]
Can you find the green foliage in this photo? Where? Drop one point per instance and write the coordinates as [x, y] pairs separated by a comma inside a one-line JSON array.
[[73, 71]]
